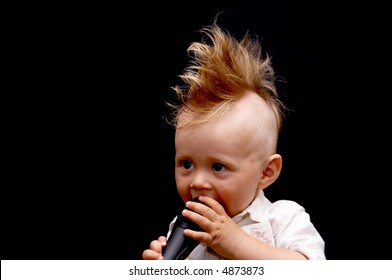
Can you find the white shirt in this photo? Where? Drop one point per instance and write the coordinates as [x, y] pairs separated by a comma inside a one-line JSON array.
[[282, 224]]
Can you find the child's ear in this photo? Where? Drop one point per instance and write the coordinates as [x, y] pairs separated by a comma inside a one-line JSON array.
[[271, 171]]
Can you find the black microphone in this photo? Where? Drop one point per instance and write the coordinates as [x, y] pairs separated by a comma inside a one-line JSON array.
[[178, 245]]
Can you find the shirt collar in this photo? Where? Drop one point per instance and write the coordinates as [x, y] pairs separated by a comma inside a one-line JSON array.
[[255, 210]]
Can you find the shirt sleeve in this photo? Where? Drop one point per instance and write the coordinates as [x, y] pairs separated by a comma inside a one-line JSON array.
[[293, 230]]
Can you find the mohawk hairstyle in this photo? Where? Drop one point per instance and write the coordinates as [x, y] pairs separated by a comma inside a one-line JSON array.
[[219, 74]]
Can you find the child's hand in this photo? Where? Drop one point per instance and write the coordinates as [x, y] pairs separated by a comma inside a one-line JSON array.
[[155, 251], [221, 234]]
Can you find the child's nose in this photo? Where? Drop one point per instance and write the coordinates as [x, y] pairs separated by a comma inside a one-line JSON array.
[[200, 181]]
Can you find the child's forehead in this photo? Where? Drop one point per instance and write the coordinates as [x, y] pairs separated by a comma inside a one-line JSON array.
[[230, 134]]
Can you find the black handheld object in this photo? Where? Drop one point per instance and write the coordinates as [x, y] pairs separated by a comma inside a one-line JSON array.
[[178, 245]]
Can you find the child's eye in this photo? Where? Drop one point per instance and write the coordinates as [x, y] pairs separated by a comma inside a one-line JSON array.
[[187, 164], [217, 166]]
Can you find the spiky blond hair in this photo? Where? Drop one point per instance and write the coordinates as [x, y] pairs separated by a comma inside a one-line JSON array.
[[221, 73]]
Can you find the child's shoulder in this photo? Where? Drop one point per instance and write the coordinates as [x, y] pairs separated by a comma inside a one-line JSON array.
[[284, 208]]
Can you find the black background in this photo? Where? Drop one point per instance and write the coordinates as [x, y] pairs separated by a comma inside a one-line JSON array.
[[88, 158]]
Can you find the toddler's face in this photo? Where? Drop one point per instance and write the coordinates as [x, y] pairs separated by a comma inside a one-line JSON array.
[[218, 160], [225, 158]]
